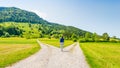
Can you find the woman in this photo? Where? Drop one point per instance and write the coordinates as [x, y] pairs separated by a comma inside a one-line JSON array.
[[61, 43]]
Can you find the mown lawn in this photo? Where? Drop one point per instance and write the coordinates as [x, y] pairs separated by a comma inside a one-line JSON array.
[[14, 49], [56, 42], [102, 55]]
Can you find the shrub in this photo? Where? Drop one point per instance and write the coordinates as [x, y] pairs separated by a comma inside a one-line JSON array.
[[75, 40]]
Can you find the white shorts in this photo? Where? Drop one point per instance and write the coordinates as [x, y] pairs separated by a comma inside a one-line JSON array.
[[61, 44]]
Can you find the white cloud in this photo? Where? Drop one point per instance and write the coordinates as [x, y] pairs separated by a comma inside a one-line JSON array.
[[41, 14]]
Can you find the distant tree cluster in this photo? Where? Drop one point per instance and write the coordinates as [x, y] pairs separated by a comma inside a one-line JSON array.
[[28, 30], [9, 31], [97, 38]]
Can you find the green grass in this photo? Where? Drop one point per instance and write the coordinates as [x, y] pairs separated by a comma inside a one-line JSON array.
[[17, 41], [102, 55], [14, 49], [55, 42]]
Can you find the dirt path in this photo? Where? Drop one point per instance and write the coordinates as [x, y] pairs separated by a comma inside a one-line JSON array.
[[52, 57]]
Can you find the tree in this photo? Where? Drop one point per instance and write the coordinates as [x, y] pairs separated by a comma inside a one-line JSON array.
[[1, 31], [12, 30], [105, 37], [95, 37], [74, 37], [114, 37], [87, 36], [56, 36], [7, 35], [67, 34]]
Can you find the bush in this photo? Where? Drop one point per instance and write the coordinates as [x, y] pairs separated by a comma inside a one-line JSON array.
[[7, 35], [82, 40], [113, 40], [75, 40], [49, 37]]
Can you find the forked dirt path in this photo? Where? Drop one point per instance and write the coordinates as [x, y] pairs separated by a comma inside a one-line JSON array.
[[52, 57]]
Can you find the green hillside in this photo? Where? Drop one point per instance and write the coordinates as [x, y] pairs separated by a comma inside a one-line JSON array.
[[13, 14], [27, 30], [22, 23]]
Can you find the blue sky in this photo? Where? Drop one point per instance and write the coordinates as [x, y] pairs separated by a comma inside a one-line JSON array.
[[92, 15]]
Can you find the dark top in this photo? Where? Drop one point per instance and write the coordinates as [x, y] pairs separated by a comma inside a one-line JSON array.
[[61, 39]]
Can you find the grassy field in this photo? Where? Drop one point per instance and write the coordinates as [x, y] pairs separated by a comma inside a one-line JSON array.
[[56, 42], [17, 41], [15, 49], [102, 55]]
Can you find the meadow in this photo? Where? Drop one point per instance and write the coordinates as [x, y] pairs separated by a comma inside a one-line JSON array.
[[55, 42], [14, 49], [98, 55], [102, 55]]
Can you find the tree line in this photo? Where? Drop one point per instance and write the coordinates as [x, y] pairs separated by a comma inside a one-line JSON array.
[[28, 30]]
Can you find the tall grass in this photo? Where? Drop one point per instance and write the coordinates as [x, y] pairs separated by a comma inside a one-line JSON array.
[[14, 49], [102, 55]]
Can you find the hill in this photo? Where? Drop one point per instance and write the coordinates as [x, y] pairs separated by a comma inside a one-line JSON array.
[[31, 23], [13, 14]]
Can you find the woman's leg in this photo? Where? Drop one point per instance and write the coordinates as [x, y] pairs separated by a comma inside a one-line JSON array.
[[61, 46]]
